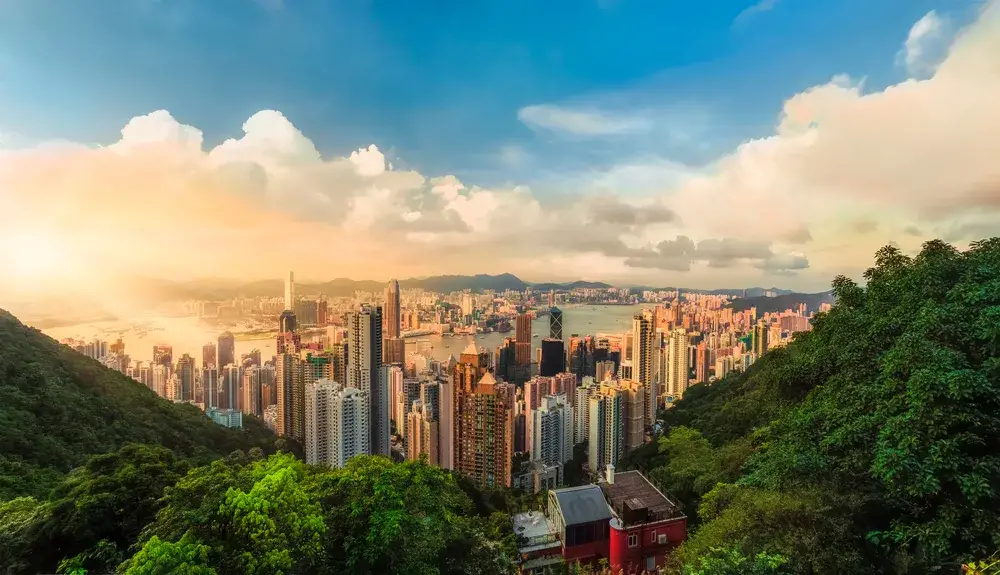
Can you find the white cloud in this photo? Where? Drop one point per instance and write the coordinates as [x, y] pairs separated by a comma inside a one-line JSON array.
[[759, 8], [914, 158], [925, 45], [581, 121]]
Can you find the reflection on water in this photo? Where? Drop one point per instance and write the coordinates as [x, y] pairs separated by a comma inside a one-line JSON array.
[[187, 335]]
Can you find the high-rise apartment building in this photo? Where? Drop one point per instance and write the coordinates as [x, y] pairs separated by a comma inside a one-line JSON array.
[[227, 349], [635, 413], [394, 348], [336, 423], [646, 360], [552, 432], [366, 373], [677, 363], [252, 392], [760, 337], [581, 409], [231, 379], [163, 355], [289, 379], [484, 441], [702, 363], [607, 443], [421, 434]]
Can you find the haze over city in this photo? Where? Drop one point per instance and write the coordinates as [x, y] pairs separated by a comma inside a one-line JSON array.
[[766, 158]]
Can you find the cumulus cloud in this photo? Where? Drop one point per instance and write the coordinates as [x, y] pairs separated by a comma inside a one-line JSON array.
[[925, 45], [917, 156]]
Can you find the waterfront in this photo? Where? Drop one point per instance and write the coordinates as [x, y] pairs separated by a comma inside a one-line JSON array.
[[188, 334]]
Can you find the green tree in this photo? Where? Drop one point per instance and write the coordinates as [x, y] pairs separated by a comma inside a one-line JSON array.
[[158, 557], [730, 561]]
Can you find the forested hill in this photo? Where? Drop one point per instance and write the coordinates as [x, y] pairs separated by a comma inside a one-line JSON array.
[[869, 445], [782, 302], [58, 407]]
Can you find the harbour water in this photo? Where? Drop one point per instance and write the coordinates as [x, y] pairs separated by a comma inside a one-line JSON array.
[[188, 335]]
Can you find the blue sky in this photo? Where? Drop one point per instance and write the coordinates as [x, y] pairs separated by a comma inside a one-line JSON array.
[[439, 84]]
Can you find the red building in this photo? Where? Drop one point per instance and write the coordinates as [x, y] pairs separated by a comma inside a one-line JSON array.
[[625, 520]]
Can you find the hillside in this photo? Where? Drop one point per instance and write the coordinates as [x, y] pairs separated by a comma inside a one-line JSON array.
[[869, 445], [782, 302], [58, 407]]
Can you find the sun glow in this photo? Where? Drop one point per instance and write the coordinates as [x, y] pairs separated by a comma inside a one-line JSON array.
[[31, 255]]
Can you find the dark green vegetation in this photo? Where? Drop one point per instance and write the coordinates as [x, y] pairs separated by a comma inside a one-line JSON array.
[[57, 408], [869, 445]]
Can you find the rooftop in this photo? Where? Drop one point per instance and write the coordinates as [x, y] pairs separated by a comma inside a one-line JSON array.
[[635, 500], [584, 504], [535, 531]]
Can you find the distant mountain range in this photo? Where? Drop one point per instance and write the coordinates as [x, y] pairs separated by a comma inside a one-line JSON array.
[[225, 289], [782, 302]]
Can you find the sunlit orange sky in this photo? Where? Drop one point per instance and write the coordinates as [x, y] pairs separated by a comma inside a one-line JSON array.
[[844, 171]]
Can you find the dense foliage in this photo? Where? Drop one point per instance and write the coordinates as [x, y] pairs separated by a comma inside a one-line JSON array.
[[869, 445], [58, 407]]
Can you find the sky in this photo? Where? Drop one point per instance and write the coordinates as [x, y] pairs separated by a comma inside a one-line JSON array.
[[702, 144]]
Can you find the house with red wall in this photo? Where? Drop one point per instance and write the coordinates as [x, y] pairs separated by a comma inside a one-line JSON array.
[[624, 519]]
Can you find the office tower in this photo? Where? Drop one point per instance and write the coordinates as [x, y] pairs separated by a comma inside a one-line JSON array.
[[577, 356], [289, 375], [227, 349], [506, 360], [702, 364], [645, 359], [634, 413], [392, 311], [760, 336], [552, 304], [252, 357], [421, 434], [365, 372], [605, 370], [287, 322], [606, 444], [581, 409], [163, 355], [555, 322], [251, 400], [552, 432], [290, 292], [208, 358], [553, 357], [485, 438], [336, 423], [677, 362], [394, 348], [185, 376], [522, 347]]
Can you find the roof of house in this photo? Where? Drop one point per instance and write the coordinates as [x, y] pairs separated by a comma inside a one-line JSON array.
[[632, 491], [583, 504]]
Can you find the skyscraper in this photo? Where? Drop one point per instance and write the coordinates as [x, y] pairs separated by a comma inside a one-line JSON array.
[[606, 411], [336, 423], [522, 346], [392, 312], [555, 323], [645, 359], [552, 432], [289, 378], [163, 355], [208, 358], [553, 357], [365, 371], [702, 363], [227, 349], [290, 292], [677, 362], [185, 377], [484, 443], [760, 333]]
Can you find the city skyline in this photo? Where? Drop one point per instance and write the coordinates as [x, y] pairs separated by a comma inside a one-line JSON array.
[[841, 157]]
